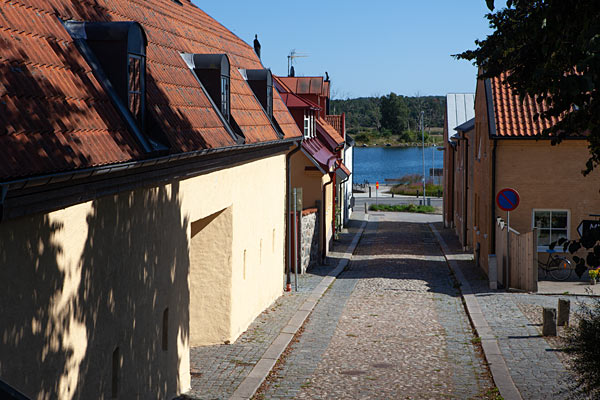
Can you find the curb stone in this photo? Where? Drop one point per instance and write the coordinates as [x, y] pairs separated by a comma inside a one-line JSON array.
[[263, 367], [499, 369]]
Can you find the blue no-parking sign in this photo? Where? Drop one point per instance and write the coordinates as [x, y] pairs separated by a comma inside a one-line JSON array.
[[507, 199]]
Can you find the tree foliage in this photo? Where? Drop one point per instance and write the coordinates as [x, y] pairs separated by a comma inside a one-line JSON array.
[[551, 50], [394, 113], [581, 343]]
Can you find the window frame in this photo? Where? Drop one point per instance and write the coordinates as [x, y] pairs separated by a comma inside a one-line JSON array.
[[225, 97], [307, 126], [543, 248], [142, 88]]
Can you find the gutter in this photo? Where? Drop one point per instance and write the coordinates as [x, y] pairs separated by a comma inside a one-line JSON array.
[[75, 175], [105, 169], [288, 157]]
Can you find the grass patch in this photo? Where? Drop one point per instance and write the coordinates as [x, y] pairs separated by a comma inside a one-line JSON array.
[[403, 208]]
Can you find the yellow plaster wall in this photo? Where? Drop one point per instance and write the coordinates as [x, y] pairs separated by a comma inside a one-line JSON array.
[[328, 212], [87, 279], [308, 180], [547, 177], [312, 183]]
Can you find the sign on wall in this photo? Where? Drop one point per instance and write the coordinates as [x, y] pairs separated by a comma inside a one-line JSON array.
[[507, 199], [587, 225]]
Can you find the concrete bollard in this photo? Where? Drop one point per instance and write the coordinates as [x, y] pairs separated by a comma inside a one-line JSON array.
[[564, 308], [549, 324]]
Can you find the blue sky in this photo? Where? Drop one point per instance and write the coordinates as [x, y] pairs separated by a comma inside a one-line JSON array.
[[369, 48]]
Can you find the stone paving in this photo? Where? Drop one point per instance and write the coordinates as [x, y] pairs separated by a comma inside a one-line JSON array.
[[218, 370], [533, 364], [391, 326]]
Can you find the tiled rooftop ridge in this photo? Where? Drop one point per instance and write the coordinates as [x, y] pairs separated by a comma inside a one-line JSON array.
[[514, 117], [55, 116]]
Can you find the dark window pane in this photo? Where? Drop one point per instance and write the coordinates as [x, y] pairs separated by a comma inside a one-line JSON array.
[[543, 237], [557, 234], [559, 219], [541, 219]]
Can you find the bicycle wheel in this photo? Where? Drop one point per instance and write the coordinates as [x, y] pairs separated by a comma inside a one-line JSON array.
[[560, 268]]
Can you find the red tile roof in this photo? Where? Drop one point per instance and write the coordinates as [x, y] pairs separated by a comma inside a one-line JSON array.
[[329, 134], [55, 116], [514, 118], [293, 101], [345, 169], [305, 84]]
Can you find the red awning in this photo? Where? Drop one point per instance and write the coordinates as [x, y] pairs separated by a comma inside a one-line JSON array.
[[319, 153]]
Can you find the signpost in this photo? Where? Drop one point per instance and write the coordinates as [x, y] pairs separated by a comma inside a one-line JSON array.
[[376, 192], [507, 199], [587, 225]]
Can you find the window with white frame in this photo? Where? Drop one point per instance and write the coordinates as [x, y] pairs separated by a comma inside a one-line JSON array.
[[306, 125], [551, 225]]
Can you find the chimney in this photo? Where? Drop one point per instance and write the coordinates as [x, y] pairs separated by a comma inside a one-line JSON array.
[[292, 72], [256, 46]]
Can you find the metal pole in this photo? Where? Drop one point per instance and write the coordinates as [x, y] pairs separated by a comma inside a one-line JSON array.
[[433, 163], [507, 250], [423, 143], [295, 241], [376, 195]]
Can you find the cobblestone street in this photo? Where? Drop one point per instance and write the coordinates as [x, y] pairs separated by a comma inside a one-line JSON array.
[[391, 326]]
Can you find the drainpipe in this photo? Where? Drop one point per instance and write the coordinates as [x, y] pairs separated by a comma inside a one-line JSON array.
[[3, 192], [493, 225], [288, 281], [324, 252], [465, 182]]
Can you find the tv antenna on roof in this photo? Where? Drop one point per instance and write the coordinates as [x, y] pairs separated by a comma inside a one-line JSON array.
[[291, 57]]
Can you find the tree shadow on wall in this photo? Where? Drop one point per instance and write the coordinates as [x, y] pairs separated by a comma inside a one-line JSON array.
[[134, 266], [63, 320], [31, 335]]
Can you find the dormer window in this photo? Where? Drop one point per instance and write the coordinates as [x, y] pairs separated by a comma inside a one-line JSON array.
[[116, 51], [261, 83], [120, 49], [212, 70]]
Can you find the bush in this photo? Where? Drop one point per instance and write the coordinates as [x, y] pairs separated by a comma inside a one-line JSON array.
[[402, 208], [362, 137], [582, 342]]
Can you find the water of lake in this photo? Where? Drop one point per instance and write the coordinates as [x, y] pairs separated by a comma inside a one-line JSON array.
[[378, 163]]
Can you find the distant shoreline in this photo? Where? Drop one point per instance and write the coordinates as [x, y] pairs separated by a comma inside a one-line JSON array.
[[398, 145]]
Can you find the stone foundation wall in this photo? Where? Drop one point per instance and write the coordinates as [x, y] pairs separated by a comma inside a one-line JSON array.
[[309, 241]]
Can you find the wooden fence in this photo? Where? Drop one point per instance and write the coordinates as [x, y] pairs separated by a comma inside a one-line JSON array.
[[523, 272]]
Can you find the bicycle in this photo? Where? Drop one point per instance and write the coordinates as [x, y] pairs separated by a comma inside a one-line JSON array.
[[558, 267]]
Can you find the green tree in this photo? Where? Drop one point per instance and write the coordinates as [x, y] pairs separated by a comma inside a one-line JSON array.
[[551, 50], [393, 112]]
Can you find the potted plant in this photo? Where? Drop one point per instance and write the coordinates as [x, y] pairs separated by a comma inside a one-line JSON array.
[[593, 273]]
